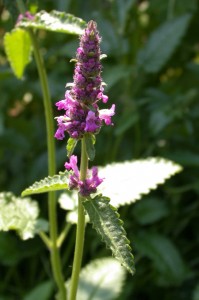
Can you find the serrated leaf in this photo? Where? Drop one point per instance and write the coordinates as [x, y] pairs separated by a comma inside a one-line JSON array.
[[105, 220], [17, 45], [48, 184], [55, 21], [18, 214], [125, 182], [90, 148], [102, 279], [71, 144], [165, 257], [162, 43]]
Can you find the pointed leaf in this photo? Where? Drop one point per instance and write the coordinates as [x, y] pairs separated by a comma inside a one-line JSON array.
[[126, 182], [48, 184], [105, 220], [90, 148], [18, 50], [55, 21], [102, 279], [71, 144], [18, 214], [162, 43]]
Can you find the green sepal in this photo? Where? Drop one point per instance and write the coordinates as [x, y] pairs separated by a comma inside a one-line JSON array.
[[17, 45], [105, 219], [55, 21], [70, 147], [90, 142], [48, 184]]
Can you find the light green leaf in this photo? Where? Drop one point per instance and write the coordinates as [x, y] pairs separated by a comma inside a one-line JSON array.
[[42, 291], [90, 148], [125, 182], [17, 45], [18, 214], [69, 202], [162, 43], [105, 220], [71, 144], [165, 257], [55, 21], [48, 184], [102, 279]]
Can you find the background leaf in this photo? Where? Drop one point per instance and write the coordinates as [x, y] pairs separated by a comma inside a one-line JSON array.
[[55, 21], [42, 291], [18, 50], [106, 222], [125, 182], [18, 214], [164, 255], [162, 43], [101, 279]]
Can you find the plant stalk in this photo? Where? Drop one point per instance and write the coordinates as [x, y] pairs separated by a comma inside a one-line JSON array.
[[79, 244], [54, 253]]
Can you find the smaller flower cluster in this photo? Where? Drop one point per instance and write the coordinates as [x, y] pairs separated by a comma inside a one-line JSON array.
[[86, 187], [27, 15], [82, 113]]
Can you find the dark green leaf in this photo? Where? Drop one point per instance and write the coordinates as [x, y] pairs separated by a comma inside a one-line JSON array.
[[105, 220], [165, 256], [18, 50], [42, 291], [48, 184], [162, 43], [151, 210], [90, 148], [55, 21], [71, 144]]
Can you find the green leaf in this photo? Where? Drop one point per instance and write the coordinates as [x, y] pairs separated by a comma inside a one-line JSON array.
[[48, 184], [18, 214], [90, 148], [162, 43], [71, 144], [196, 293], [55, 21], [149, 211], [105, 220], [165, 256], [125, 182], [102, 279], [42, 291], [17, 45]]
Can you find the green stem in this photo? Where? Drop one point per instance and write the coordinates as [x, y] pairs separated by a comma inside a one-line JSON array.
[[63, 234], [45, 239], [79, 244], [55, 256]]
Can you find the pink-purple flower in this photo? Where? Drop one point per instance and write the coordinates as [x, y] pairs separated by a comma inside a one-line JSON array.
[[87, 186], [82, 113]]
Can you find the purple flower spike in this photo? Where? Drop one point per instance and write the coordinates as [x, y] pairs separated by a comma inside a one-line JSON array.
[[82, 113]]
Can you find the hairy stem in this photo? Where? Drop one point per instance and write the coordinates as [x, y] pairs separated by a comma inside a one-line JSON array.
[[79, 244], [54, 252]]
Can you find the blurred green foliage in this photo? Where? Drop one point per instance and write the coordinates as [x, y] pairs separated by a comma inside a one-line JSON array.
[[152, 75]]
